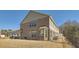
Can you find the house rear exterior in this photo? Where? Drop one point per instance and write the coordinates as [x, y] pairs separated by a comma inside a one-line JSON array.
[[38, 26]]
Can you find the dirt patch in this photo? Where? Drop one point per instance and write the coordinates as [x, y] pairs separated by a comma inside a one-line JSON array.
[[17, 43]]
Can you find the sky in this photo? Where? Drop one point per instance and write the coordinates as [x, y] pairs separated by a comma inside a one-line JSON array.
[[11, 19]]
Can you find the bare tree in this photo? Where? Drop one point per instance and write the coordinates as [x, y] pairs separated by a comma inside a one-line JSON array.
[[70, 30]]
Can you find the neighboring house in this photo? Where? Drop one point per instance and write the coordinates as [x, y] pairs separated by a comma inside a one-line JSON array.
[[2, 35], [38, 26], [15, 34]]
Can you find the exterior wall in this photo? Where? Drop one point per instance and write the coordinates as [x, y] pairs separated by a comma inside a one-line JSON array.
[[54, 31], [27, 30], [35, 24], [33, 16]]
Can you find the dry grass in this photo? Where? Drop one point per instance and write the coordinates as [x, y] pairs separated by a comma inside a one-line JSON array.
[[8, 43]]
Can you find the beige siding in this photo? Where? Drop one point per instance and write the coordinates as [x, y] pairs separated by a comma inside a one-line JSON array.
[[52, 26], [33, 16], [54, 31], [27, 30], [40, 21]]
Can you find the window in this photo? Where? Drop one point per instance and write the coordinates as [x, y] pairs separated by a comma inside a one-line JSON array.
[[46, 33], [33, 33], [32, 25], [42, 32]]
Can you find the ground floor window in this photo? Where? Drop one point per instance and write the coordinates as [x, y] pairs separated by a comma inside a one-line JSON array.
[[46, 33], [33, 33], [42, 32]]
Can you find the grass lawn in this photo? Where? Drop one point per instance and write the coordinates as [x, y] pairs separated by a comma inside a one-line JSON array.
[[17, 43]]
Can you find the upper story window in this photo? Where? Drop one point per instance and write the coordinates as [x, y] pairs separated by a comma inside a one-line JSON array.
[[32, 25]]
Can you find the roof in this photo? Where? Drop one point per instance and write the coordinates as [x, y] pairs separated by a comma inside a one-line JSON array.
[[35, 15], [32, 15]]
